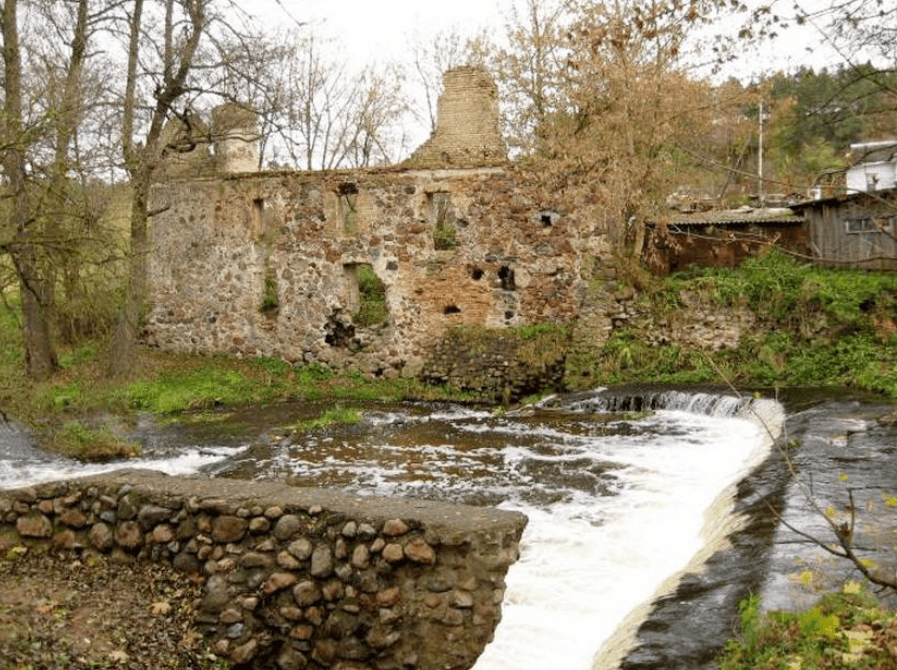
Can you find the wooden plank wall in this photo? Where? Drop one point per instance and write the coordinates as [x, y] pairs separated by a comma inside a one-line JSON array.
[[833, 246]]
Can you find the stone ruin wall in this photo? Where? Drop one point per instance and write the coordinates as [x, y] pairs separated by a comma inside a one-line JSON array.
[[191, 147], [221, 243], [271, 264], [250, 263], [292, 578]]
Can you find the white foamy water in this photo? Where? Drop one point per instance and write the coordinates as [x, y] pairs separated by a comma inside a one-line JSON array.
[[614, 510], [587, 562], [23, 465]]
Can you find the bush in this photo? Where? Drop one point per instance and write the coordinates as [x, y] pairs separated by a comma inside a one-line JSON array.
[[845, 629]]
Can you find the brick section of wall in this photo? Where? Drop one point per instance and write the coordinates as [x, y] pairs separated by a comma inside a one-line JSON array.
[[467, 128], [293, 578]]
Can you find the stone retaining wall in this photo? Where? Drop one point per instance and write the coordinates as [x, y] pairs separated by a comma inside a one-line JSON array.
[[503, 364], [294, 578]]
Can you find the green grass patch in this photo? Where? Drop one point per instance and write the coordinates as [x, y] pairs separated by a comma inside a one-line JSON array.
[[334, 415], [779, 288], [815, 327], [372, 310], [846, 629], [12, 351], [77, 440]]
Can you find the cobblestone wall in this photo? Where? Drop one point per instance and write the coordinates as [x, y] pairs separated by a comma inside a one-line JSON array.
[[269, 264], [294, 578], [505, 365]]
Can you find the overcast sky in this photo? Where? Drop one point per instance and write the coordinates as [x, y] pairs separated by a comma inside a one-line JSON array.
[[382, 30]]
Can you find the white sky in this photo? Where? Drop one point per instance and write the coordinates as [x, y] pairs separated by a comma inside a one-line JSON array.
[[382, 30]]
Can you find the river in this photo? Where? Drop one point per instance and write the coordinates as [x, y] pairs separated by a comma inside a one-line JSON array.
[[649, 508]]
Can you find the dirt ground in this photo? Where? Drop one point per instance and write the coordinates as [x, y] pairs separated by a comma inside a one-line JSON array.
[[73, 614]]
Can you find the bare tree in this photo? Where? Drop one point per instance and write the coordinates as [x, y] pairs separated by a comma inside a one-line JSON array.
[[447, 50], [176, 50], [533, 69], [315, 112], [40, 353], [36, 155], [377, 138]]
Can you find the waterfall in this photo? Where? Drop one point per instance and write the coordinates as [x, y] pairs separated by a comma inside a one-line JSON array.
[[598, 578]]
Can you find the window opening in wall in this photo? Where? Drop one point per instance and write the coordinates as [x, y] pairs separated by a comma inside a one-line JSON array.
[[506, 277], [258, 212], [372, 310], [270, 304], [451, 309], [868, 224], [477, 274], [348, 208], [443, 221], [547, 218]]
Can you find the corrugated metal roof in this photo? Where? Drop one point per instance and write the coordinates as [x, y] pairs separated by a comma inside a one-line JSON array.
[[741, 216], [882, 194]]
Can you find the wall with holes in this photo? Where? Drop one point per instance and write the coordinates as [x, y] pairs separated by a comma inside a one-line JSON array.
[[360, 269]]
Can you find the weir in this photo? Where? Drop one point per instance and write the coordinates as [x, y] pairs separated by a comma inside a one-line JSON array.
[[647, 511]]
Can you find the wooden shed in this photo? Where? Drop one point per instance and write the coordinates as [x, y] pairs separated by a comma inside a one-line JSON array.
[[721, 238], [857, 230]]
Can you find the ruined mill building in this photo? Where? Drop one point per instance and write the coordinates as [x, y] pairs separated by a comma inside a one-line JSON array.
[[360, 268]]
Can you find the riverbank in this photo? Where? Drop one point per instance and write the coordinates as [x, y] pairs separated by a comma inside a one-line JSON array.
[[333, 448], [62, 613], [771, 323]]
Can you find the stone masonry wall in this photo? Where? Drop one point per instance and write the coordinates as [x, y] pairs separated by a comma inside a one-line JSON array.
[[268, 264], [294, 578], [506, 366]]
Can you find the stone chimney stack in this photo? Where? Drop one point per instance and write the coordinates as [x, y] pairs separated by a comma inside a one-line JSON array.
[[235, 133], [467, 126]]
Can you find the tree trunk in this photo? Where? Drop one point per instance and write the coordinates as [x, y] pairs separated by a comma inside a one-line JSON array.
[[37, 333], [123, 349], [178, 55], [40, 354]]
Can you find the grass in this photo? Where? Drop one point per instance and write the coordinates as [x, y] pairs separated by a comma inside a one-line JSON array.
[[70, 412], [372, 310], [846, 629], [76, 439], [336, 414], [815, 327]]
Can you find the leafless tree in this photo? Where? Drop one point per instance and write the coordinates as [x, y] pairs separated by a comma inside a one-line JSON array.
[[315, 111], [448, 49], [41, 118]]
